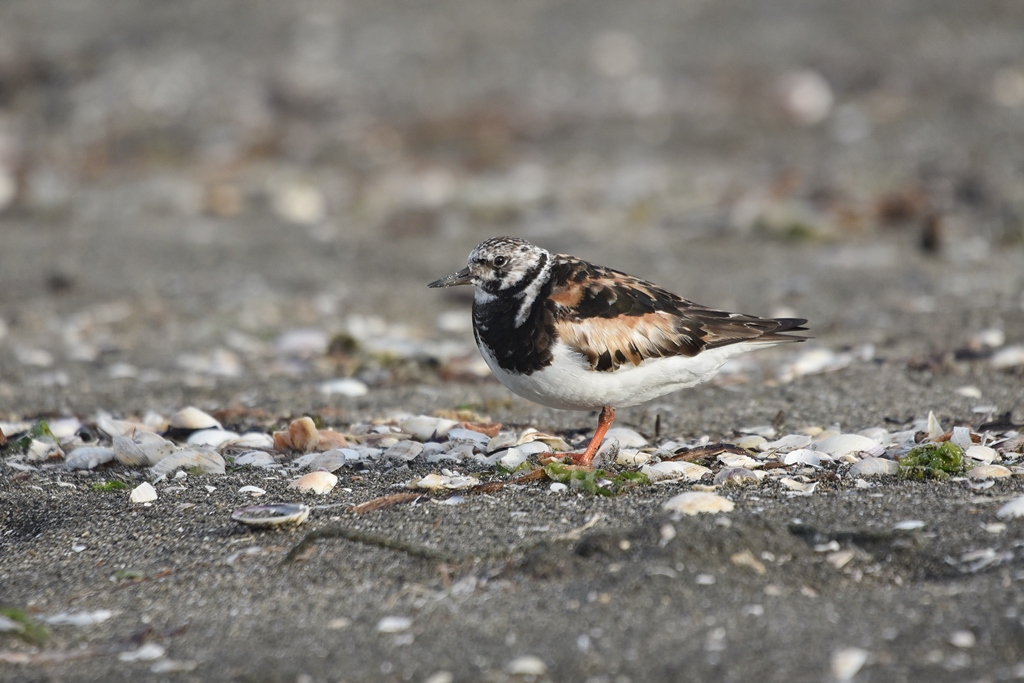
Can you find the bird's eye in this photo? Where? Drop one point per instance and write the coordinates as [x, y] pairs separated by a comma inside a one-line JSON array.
[[499, 261]]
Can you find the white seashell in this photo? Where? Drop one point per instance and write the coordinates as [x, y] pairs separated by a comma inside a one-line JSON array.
[[737, 460], [847, 662], [632, 457], [909, 525], [876, 434], [144, 653], [982, 454], [143, 493], [969, 391], [254, 459], [767, 431], [192, 418], [258, 441], [935, 429], [394, 624], [666, 471], [556, 443], [1008, 357], [627, 438], [558, 487], [874, 467], [844, 444], [526, 665], [79, 618], [989, 472], [696, 502], [800, 486], [1012, 510], [787, 443], [208, 462], [405, 451], [345, 386], [735, 476], [254, 491], [423, 427], [437, 482], [64, 428], [802, 456], [751, 443], [534, 447], [961, 437], [112, 427], [512, 459], [503, 440], [330, 461], [461, 434], [42, 450], [88, 458], [141, 448], [272, 515], [318, 482], [212, 438]]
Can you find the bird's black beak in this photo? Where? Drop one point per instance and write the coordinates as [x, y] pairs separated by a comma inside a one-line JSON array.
[[460, 278]]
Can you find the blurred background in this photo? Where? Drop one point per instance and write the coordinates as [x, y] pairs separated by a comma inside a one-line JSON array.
[[221, 198]]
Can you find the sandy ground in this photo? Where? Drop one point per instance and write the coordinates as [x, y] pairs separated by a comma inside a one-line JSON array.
[[190, 182]]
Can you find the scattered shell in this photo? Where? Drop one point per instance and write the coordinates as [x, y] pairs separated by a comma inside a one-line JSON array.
[[802, 456], [334, 460], [212, 438], [144, 653], [666, 471], [39, 450], [735, 476], [961, 437], [909, 525], [330, 439], [627, 438], [534, 447], [254, 491], [982, 454], [696, 502], [935, 429], [1012, 510], [799, 486], [272, 515], [318, 482], [208, 462], [847, 662], [752, 442], [844, 444], [737, 460], [787, 443], [556, 443], [989, 472], [259, 441], [969, 391], [345, 386], [1009, 357], [424, 427], [143, 493], [874, 467], [192, 418], [78, 618], [303, 434], [526, 665], [394, 624], [630, 457], [141, 448], [471, 435], [88, 458], [254, 459], [438, 482], [512, 459], [404, 451]]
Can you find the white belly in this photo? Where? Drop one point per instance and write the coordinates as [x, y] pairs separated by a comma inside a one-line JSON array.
[[569, 383]]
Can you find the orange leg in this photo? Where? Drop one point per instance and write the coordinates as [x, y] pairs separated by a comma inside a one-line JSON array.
[[603, 423]]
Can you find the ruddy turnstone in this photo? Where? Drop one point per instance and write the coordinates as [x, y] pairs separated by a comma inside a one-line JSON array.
[[573, 335]]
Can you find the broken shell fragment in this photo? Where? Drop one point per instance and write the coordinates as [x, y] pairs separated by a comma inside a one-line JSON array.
[[206, 461], [666, 471], [404, 451], [982, 454], [318, 482], [303, 434], [141, 448], [874, 467], [989, 472], [735, 476], [272, 515], [696, 502], [88, 458], [425, 428], [213, 438], [438, 482], [143, 493], [844, 444], [193, 419]]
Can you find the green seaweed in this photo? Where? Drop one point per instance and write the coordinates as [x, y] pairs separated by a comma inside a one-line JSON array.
[[594, 482], [127, 575], [932, 460], [25, 628], [109, 486]]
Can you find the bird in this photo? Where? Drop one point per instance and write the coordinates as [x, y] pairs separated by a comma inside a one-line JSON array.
[[569, 334]]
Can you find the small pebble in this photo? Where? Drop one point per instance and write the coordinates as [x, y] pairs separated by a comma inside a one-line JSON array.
[[526, 665], [696, 502], [318, 482]]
